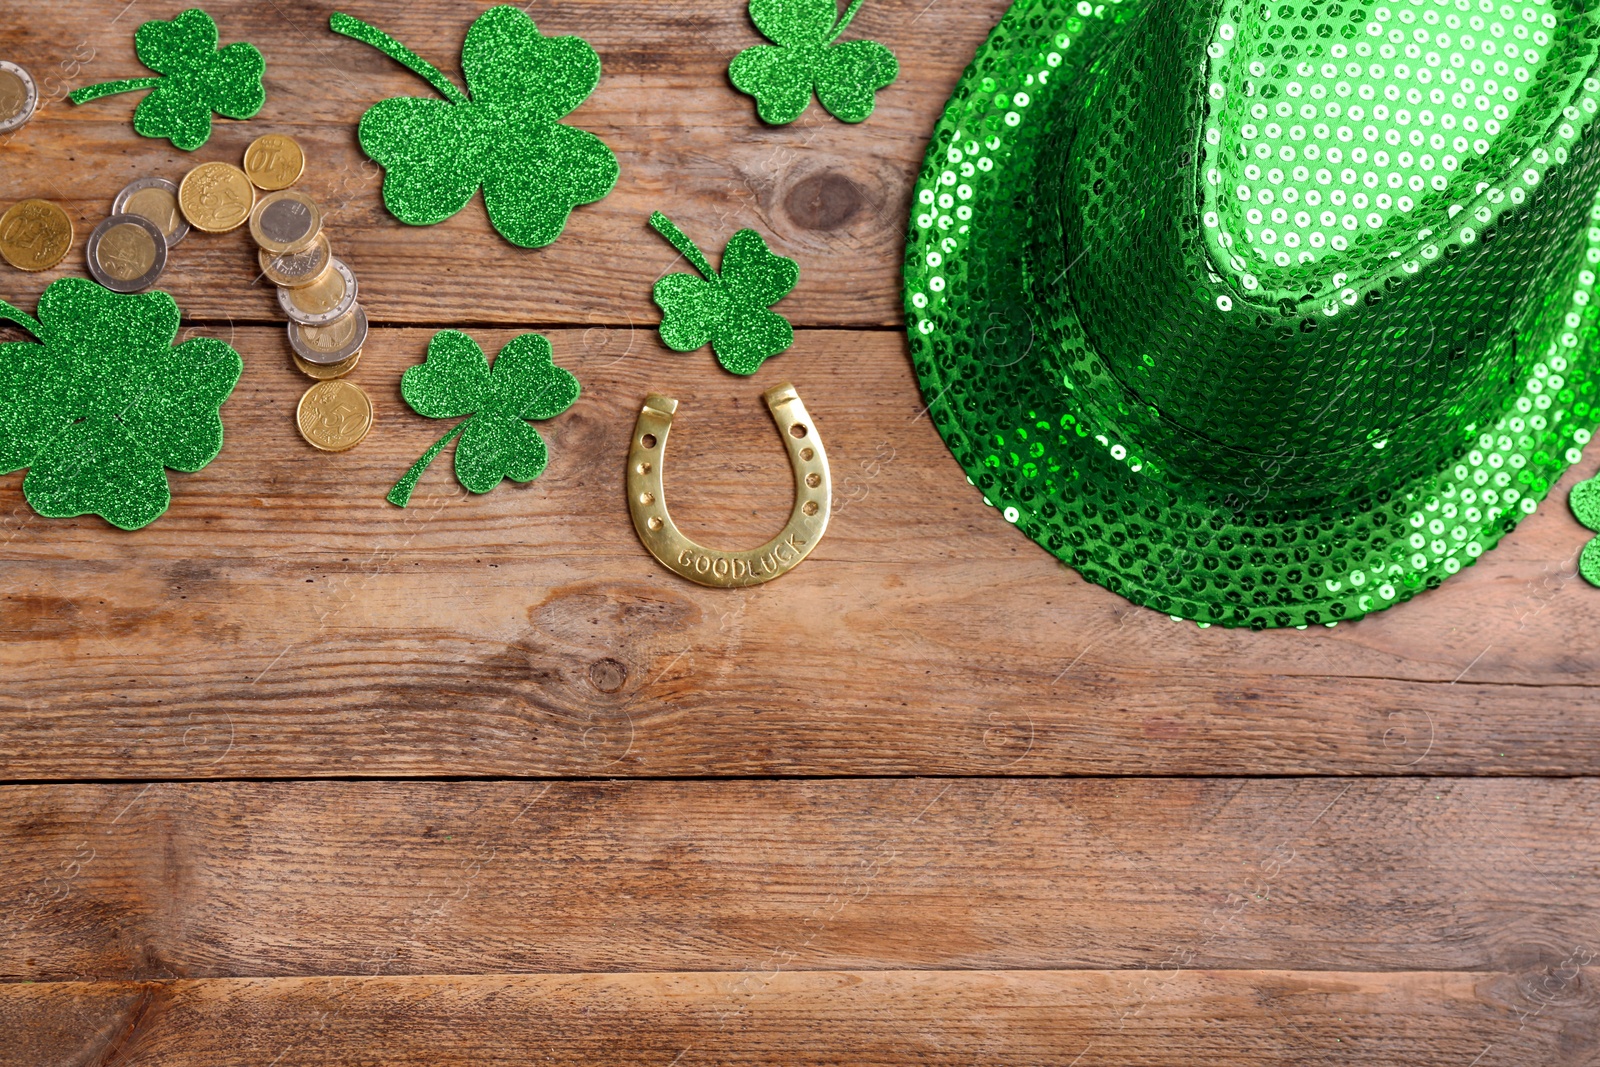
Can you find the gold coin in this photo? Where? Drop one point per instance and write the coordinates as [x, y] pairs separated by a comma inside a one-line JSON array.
[[216, 197], [334, 416], [126, 252], [19, 97], [329, 371], [13, 96], [274, 162], [35, 235], [160, 205], [333, 343], [316, 305], [296, 270]]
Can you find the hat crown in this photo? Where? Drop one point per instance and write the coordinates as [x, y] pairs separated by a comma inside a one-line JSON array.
[[1345, 134], [1238, 292]]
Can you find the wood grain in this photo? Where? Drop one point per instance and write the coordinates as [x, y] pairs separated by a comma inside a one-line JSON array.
[[306, 878], [306, 627], [832, 196], [972, 878], [1021, 1018]]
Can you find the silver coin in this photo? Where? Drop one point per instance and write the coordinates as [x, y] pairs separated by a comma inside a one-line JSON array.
[[144, 198], [295, 270], [287, 220], [127, 253], [19, 97], [333, 343], [302, 305]]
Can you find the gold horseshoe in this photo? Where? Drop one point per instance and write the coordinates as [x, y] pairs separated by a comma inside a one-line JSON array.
[[813, 498]]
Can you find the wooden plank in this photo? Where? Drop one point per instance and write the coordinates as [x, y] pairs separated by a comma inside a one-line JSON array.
[[306, 627], [174, 880], [833, 196], [1023, 1018]]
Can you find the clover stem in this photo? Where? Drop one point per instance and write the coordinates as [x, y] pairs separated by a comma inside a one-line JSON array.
[[21, 318], [95, 92], [844, 23], [371, 35], [681, 242], [400, 495]]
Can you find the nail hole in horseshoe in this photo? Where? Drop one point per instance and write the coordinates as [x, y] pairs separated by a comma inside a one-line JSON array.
[[810, 507], [643, 468], [647, 499], [648, 440], [798, 430], [813, 480], [808, 454], [656, 523]]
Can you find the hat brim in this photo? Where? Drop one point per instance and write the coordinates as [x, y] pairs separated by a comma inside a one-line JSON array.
[[1056, 470]]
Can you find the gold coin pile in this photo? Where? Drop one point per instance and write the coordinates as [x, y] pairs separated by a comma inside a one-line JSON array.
[[316, 291]]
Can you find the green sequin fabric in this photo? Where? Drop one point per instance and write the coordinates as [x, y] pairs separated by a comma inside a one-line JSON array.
[[455, 380], [199, 78], [805, 56], [727, 309], [1266, 315], [103, 401], [504, 137]]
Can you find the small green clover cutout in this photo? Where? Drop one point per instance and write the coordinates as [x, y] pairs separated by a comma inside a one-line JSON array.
[[727, 309], [104, 402], [804, 56], [505, 137], [199, 78], [455, 379], [1585, 503]]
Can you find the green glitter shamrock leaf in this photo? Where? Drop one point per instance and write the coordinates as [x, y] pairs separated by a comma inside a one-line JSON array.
[[1585, 503], [504, 138], [803, 56], [455, 379], [729, 309], [104, 401], [200, 78]]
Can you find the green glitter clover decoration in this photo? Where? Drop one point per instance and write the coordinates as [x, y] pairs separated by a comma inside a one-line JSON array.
[[199, 78], [455, 379], [728, 310], [1585, 503], [803, 57], [504, 138], [104, 401]]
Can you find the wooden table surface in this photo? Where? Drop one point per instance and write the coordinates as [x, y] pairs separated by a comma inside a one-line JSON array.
[[297, 777]]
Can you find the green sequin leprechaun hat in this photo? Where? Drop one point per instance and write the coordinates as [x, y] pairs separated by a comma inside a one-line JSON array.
[[1265, 314]]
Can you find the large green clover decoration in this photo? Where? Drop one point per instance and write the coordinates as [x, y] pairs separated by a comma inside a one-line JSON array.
[[199, 78], [102, 401], [455, 379], [804, 56], [727, 308], [504, 138]]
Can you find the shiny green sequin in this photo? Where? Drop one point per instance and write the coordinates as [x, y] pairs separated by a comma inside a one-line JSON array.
[[1585, 503], [104, 401], [804, 56], [728, 309], [505, 137], [455, 379], [199, 78], [1127, 369]]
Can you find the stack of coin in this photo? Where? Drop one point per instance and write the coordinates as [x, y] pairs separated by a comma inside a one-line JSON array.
[[317, 293]]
